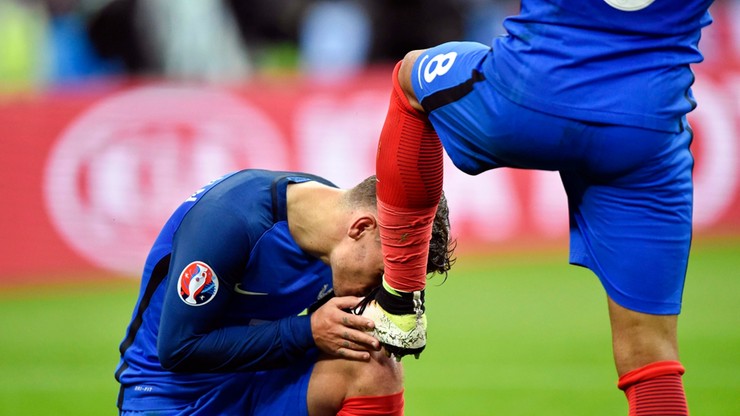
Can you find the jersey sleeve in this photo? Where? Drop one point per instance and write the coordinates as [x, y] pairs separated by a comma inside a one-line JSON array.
[[213, 245]]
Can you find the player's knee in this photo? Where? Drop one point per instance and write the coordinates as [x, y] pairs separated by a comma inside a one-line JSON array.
[[378, 377], [334, 380], [404, 76], [411, 57]]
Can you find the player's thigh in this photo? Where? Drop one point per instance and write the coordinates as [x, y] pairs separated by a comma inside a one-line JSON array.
[[447, 80], [478, 127], [327, 387], [631, 218], [281, 391]]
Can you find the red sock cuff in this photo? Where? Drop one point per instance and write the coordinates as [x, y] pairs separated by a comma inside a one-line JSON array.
[[391, 405], [650, 371]]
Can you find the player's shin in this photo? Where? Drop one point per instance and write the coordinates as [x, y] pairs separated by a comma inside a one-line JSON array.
[[409, 169]]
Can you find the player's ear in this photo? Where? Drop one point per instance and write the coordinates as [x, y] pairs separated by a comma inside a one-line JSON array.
[[362, 224]]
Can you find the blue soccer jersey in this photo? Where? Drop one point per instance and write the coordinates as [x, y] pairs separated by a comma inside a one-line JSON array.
[[220, 299], [623, 62]]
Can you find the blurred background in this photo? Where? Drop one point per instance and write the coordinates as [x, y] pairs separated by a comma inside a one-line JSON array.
[[112, 112], [52, 43]]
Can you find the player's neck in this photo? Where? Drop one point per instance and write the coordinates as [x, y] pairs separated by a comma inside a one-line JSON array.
[[315, 217]]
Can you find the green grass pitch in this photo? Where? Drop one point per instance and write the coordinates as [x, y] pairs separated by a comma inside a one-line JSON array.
[[515, 334]]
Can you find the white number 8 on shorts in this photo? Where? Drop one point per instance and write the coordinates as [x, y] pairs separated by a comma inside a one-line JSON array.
[[439, 65]]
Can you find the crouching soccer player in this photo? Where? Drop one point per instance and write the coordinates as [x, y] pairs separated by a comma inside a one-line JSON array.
[[237, 316]]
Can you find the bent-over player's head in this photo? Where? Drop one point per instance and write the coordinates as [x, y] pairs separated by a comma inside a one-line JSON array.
[[441, 246]]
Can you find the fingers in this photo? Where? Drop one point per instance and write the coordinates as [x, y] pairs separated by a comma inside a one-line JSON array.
[[345, 302], [354, 321], [352, 355], [347, 348], [358, 340], [354, 348], [343, 334]]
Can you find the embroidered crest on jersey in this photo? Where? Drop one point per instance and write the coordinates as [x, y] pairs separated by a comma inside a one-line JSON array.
[[197, 284], [629, 5]]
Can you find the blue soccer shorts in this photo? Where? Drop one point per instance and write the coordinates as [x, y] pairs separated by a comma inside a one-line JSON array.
[[629, 189], [280, 392]]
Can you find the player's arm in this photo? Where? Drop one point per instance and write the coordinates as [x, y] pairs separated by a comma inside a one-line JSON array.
[[192, 333]]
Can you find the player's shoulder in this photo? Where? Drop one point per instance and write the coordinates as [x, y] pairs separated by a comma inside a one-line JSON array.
[[274, 177], [255, 196]]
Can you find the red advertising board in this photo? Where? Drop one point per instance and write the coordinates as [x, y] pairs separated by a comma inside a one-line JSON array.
[[90, 175]]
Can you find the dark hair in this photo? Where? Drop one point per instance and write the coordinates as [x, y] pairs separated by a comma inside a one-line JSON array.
[[441, 246]]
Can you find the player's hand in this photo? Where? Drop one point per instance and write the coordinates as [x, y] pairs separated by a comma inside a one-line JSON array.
[[342, 334]]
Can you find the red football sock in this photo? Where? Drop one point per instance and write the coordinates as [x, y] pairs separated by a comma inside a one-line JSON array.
[[409, 169], [655, 390], [391, 405]]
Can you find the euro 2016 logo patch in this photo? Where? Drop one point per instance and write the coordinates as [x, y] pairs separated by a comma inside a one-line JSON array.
[[197, 284]]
